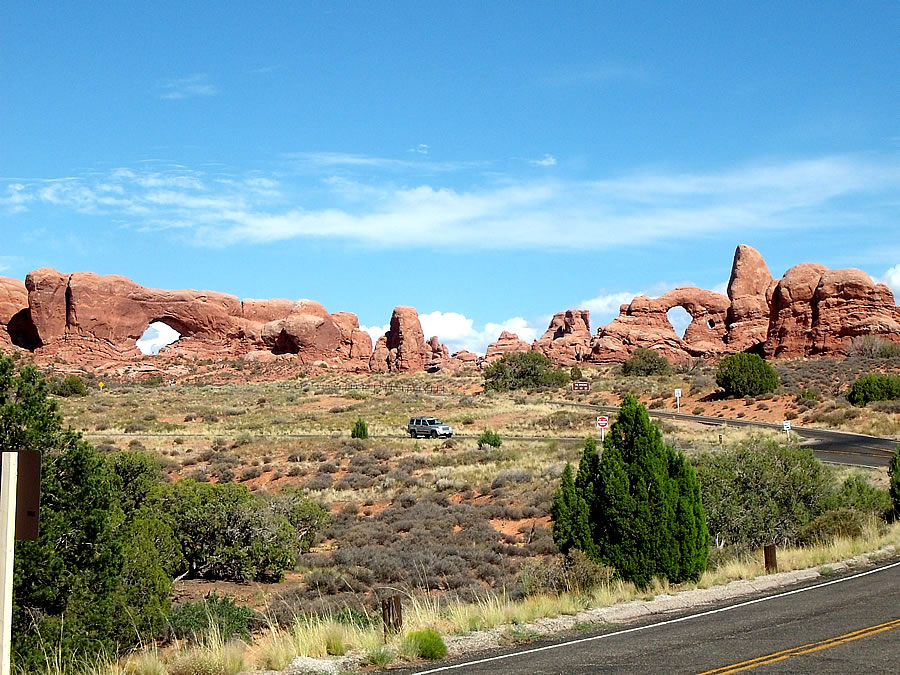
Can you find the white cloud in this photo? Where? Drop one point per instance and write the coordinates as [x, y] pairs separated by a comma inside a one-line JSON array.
[[188, 87], [499, 212], [421, 149], [892, 279], [458, 332], [722, 288], [375, 331], [605, 307], [157, 336], [547, 160]]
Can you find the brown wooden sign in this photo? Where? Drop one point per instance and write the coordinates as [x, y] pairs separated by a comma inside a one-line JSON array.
[[28, 494], [581, 385]]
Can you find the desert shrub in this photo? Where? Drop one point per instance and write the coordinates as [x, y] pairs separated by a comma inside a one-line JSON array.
[[217, 612], [645, 362], [575, 373], [860, 495], [831, 525], [490, 438], [134, 427], [572, 573], [760, 492], [523, 370], [745, 374], [71, 385], [225, 532], [636, 509], [507, 476], [874, 387], [360, 429], [873, 347], [894, 476], [811, 395], [425, 644]]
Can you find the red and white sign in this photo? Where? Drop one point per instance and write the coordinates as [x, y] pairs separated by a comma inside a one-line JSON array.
[[581, 385], [602, 422]]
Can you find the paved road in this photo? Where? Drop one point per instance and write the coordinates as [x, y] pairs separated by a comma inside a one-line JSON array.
[[846, 624], [838, 447]]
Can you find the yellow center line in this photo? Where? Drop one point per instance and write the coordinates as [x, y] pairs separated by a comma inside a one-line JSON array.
[[805, 649]]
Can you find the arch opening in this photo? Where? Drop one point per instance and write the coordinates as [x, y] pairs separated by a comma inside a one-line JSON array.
[[157, 336], [680, 319]]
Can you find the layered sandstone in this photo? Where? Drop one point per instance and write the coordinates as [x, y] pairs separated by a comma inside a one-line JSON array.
[[750, 289], [568, 337], [403, 347], [13, 303], [505, 344]]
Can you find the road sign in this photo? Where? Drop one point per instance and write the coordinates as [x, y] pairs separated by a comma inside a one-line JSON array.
[[786, 425], [678, 393], [602, 422], [581, 385], [678, 400]]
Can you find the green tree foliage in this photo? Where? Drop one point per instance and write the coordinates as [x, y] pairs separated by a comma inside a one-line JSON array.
[[360, 429], [858, 494], [646, 518], [745, 374], [225, 532], [92, 581], [874, 387], [569, 511], [760, 492], [894, 474], [71, 385], [646, 362], [217, 613], [523, 370], [490, 438], [575, 373]]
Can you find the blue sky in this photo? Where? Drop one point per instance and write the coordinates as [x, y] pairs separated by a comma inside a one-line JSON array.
[[489, 163]]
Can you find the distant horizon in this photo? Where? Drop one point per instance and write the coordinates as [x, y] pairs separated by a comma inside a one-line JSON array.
[[488, 164]]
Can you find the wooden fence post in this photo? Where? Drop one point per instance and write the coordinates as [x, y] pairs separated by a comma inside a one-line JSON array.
[[391, 615], [771, 562]]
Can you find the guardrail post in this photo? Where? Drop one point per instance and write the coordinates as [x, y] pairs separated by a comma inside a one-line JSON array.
[[391, 615], [771, 562]]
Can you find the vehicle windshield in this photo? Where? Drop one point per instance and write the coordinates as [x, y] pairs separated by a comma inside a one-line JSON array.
[[434, 420]]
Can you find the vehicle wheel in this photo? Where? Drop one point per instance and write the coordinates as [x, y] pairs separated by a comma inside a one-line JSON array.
[[412, 434], [434, 434]]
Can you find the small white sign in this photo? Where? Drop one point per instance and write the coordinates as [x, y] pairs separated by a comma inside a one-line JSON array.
[[602, 422], [786, 425], [678, 393]]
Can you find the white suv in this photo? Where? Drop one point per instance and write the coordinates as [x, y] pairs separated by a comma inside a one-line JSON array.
[[428, 426]]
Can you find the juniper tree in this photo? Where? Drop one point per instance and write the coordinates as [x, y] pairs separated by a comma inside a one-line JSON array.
[[645, 512]]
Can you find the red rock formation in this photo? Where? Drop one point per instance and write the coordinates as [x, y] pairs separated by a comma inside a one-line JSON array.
[[506, 343], [567, 339], [645, 323], [749, 290], [817, 312], [404, 344], [13, 301]]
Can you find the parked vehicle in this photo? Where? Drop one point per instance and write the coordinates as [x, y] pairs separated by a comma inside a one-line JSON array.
[[431, 427]]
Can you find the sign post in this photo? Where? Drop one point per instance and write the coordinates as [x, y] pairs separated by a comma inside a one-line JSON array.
[[786, 425], [602, 423], [7, 549], [678, 400]]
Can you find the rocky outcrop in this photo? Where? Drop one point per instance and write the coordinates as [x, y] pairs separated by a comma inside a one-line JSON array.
[[13, 310], [750, 289], [817, 312], [645, 323], [568, 337], [506, 343], [404, 347], [87, 318]]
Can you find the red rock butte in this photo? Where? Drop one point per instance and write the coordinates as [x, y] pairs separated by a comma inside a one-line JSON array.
[[90, 319]]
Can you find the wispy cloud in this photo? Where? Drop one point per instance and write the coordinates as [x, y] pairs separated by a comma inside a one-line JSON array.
[[892, 279], [546, 160], [593, 75], [421, 149], [188, 87], [386, 203]]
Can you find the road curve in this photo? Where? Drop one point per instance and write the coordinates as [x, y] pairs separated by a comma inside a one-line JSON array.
[[837, 447], [846, 624]]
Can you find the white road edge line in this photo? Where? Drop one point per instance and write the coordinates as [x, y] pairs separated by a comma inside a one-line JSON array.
[[660, 623]]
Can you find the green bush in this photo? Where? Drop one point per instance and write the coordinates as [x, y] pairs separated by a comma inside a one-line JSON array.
[[92, 583], [216, 612], [637, 508], [760, 492], [523, 370], [894, 475], [746, 375], [831, 525], [874, 387], [491, 438], [425, 644], [858, 494], [646, 362], [71, 385], [575, 373], [360, 429]]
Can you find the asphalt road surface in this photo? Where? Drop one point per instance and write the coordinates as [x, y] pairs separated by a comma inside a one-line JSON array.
[[843, 624]]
